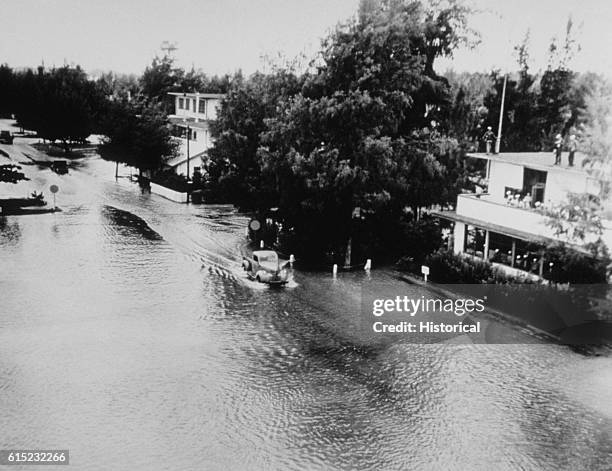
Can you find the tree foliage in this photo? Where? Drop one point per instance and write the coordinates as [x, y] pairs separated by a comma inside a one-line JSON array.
[[137, 134], [596, 132], [163, 76], [234, 169], [577, 218], [59, 104], [8, 93], [343, 151], [10, 173]]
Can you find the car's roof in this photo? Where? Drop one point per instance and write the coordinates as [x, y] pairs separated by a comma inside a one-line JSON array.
[[259, 253]]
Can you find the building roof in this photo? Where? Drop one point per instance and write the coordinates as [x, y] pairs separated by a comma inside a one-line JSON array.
[[508, 231], [535, 160], [181, 159], [198, 95], [184, 121]]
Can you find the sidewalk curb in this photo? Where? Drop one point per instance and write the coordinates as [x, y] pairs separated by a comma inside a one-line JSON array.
[[492, 312]]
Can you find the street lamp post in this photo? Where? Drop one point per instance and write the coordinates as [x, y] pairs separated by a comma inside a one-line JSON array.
[[188, 131], [501, 116]]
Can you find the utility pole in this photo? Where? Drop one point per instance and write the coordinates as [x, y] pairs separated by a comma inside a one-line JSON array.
[[501, 116], [188, 132]]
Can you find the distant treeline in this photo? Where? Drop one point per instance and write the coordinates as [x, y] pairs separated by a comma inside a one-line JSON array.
[[65, 105], [349, 148]]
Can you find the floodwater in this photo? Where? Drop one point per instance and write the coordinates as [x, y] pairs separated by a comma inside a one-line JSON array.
[[130, 336]]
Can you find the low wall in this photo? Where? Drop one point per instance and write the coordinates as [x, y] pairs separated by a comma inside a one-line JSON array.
[[168, 193]]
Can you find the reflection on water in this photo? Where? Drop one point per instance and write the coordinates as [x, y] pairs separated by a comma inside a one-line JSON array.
[[129, 334]]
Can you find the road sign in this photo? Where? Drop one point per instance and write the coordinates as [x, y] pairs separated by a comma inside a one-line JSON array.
[[54, 189], [425, 271]]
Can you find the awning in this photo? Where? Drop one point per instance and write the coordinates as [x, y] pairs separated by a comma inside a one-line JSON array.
[[507, 231]]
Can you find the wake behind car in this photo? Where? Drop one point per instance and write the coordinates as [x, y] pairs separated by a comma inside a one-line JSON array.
[[265, 266]]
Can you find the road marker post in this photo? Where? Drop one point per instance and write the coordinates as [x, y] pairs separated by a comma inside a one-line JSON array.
[[425, 271]]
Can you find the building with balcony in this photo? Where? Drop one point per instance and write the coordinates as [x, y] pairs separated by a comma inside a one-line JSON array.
[[191, 119], [506, 224]]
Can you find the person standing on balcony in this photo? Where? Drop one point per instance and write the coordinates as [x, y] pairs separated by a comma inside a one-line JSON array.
[[558, 148], [488, 137], [573, 147]]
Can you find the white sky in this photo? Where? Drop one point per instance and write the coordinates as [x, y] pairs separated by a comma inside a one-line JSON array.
[[221, 36]]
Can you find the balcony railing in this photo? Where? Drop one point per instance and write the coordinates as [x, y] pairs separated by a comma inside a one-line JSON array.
[[483, 208]]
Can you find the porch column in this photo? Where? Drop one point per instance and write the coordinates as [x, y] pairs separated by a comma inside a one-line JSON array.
[[513, 252], [486, 246], [459, 233]]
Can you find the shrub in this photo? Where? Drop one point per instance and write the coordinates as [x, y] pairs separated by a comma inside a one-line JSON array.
[[419, 240], [448, 267], [571, 266]]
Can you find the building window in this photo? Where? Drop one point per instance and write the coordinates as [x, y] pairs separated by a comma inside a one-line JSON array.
[[474, 241], [177, 131], [500, 248], [187, 100], [534, 184], [527, 256], [202, 107], [181, 104], [195, 136]]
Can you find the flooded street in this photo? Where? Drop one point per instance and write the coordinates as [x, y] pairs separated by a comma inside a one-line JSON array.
[[130, 336]]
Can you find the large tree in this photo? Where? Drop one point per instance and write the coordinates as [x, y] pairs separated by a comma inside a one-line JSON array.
[[59, 104], [7, 91], [233, 170], [159, 78], [357, 145], [137, 134]]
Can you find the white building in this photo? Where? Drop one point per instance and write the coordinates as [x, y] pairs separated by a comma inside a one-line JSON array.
[[191, 121], [506, 225]]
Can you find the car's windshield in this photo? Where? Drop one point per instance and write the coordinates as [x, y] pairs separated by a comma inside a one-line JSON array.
[[269, 257]]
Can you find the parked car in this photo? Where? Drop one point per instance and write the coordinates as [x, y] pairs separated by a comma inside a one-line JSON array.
[[6, 137], [60, 167], [266, 267]]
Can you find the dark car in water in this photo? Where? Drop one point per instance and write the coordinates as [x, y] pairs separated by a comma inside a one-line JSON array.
[[60, 167], [6, 137]]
